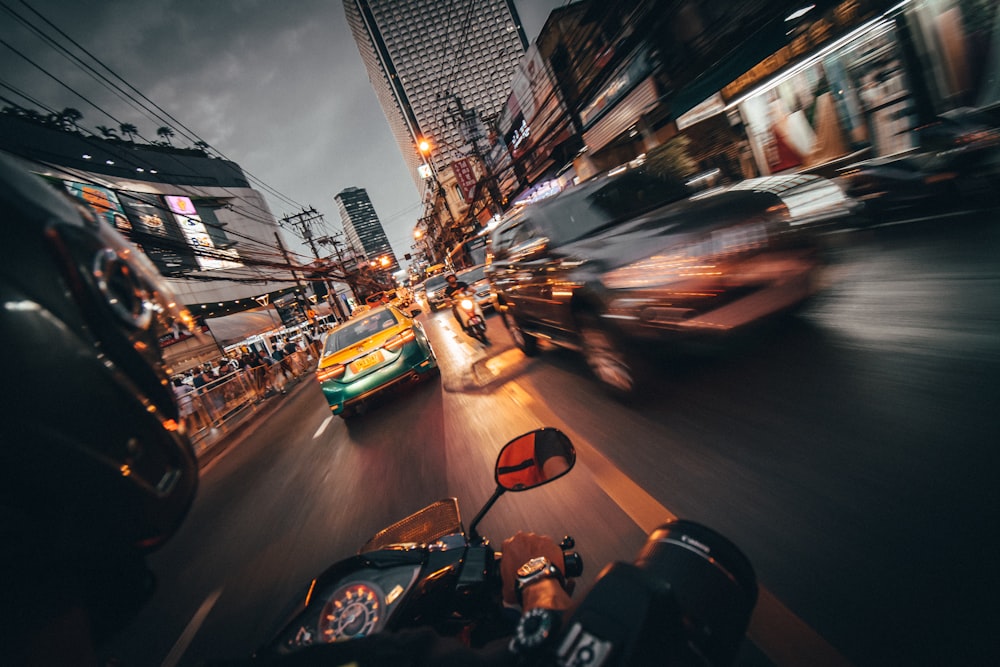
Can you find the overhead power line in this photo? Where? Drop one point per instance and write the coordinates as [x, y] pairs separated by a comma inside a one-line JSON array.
[[155, 111]]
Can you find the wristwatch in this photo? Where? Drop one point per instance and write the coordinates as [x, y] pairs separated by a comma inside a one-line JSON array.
[[535, 569]]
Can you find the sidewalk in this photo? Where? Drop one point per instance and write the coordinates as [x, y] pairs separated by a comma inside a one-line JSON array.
[[227, 409]]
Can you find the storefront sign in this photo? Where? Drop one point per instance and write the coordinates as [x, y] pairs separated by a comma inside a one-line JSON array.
[[845, 16], [623, 82], [466, 178], [520, 134]]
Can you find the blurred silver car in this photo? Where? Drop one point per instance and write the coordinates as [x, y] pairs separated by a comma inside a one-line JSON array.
[[626, 265]]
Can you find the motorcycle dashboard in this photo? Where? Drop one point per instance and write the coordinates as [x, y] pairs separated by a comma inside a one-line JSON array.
[[351, 607]]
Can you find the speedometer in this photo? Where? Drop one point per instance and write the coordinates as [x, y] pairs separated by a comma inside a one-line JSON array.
[[353, 611]]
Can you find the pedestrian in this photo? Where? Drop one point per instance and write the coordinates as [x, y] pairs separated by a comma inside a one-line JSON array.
[[185, 404], [278, 368], [309, 343]]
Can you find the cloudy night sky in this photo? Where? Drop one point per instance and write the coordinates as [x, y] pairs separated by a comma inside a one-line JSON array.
[[277, 87]]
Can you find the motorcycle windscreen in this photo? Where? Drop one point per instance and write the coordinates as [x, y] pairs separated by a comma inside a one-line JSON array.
[[422, 527]]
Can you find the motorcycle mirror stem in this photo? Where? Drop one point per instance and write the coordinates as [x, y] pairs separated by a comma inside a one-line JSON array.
[[527, 461], [473, 535]]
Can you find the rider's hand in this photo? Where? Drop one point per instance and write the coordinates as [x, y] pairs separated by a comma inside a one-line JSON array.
[[517, 551]]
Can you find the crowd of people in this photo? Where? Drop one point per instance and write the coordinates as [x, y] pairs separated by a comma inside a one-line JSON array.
[[205, 393]]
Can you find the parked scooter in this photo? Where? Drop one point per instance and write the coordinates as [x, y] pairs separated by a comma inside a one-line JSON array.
[[686, 599]]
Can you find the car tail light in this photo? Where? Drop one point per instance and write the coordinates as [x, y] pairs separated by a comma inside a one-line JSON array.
[[330, 372], [399, 340]]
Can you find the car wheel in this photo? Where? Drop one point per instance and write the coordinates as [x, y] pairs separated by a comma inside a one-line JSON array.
[[349, 413], [608, 359], [522, 339]]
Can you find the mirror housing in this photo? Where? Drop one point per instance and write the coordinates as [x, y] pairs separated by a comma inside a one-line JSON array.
[[527, 461], [534, 459], [415, 311]]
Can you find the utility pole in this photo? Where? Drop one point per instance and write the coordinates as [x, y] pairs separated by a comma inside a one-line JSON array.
[[288, 260], [303, 224], [351, 282]]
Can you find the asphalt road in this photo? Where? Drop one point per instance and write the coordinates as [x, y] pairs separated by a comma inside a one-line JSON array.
[[851, 452]]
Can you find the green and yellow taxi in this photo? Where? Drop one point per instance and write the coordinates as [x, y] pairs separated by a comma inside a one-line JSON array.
[[371, 353]]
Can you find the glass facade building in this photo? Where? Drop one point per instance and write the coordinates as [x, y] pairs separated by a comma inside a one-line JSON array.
[[363, 228], [441, 70]]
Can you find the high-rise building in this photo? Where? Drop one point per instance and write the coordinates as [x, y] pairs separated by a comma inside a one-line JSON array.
[[363, 229], [441, 70]]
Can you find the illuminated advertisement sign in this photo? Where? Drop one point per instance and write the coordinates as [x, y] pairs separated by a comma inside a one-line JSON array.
[[197, 236], [104, 203], [156, 230]]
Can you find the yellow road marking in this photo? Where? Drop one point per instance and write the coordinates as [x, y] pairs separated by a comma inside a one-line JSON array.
[[781, 635]]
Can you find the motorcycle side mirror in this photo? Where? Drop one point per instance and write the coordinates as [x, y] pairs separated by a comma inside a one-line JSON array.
[[534, 459], [527, 461]]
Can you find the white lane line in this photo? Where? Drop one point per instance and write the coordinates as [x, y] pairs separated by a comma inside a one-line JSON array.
[[322, 427], [774, 628], [177, 652]]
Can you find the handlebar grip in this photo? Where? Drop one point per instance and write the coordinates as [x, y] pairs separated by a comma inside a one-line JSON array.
[[574, 564]]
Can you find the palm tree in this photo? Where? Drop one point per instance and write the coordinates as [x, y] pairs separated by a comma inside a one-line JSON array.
[[68, 118], [129, 130], [107, 132], [202, 145], [166, 133]]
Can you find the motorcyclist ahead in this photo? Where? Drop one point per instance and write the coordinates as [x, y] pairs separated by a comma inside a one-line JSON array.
[[454, 290]]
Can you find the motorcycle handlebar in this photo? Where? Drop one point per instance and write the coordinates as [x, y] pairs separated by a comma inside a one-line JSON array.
[[574, 564], [572, 560]]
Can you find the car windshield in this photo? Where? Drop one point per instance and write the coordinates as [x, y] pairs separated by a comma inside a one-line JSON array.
[[475, 274], [358, 331], [579, 213]]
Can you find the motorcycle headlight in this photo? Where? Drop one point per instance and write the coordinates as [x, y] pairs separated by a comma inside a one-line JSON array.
[[466, 304]]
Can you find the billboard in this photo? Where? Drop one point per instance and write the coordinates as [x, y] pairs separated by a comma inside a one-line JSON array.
[[104, 203], [154, 228], [171, 236], [197, 236]]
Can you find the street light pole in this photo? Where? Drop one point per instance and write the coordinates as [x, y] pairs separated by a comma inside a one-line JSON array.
[[425, 148]]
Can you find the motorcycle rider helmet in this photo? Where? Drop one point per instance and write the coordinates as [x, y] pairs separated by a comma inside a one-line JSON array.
[[95, 470]]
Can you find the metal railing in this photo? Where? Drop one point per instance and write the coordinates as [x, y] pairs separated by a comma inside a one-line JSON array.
[[211, 412]]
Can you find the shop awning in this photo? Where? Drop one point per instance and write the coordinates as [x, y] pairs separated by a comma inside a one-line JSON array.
[[234, 328]]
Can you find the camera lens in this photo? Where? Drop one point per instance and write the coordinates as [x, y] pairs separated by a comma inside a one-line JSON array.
[[712, 582]]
